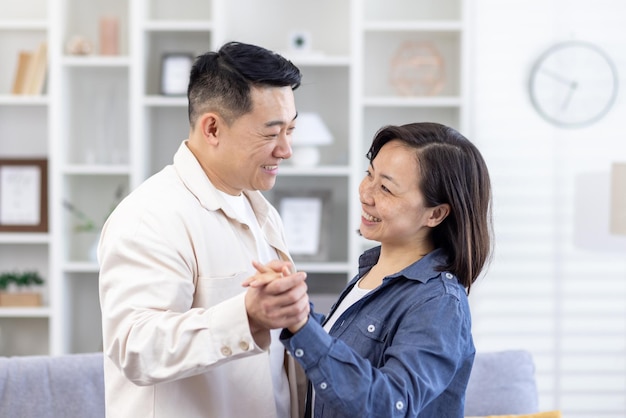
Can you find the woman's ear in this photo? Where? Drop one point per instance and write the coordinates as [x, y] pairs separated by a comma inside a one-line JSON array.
[[438, 214]]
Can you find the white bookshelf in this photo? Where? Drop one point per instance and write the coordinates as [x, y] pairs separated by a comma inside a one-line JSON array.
[[102, 123]]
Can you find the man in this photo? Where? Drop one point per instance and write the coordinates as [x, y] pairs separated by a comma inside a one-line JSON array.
[[182, 337]]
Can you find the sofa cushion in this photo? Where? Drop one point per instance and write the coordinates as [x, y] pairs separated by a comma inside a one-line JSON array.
[[69, 386], [502, 383], [549, 414]]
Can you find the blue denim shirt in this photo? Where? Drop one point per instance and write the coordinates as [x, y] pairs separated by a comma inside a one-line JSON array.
[[403, 350]]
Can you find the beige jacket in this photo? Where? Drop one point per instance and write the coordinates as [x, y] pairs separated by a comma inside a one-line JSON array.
[[175, 329]]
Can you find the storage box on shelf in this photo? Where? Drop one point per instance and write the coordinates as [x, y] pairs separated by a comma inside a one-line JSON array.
[[18, 288], [25, 329]]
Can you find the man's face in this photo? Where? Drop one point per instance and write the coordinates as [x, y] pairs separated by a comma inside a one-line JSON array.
[[253, 146]]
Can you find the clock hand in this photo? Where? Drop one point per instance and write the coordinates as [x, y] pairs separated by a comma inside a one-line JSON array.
[[572, 87], [557, 77]]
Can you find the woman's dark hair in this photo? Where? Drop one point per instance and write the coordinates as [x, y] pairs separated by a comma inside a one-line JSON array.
[[452, 171], [221, 81]]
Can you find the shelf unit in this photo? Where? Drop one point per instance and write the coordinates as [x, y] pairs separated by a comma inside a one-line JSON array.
[[24, 127], [104, 126], [381, 28], [91, 160]]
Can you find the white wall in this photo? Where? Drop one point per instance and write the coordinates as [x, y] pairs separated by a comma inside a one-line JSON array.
[[557, 285]]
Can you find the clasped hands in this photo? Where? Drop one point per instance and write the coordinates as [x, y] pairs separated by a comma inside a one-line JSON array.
[[276, 297]]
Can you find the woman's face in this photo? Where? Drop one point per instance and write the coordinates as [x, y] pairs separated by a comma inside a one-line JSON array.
[[392, 204]]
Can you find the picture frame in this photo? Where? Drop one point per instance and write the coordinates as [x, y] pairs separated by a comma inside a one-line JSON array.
[[24, 195], [306, 219], [175, 68]]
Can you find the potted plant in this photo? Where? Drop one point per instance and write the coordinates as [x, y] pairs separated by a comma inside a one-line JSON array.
[[16, 288]]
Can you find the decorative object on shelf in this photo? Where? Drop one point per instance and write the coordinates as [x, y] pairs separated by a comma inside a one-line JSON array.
[[86, 230], [23, 195], [109, 35], [417, 69], [618, 199], [573, 84], [15, 286], [300, 41], [310, 132], [86, 223], [175, 68], [306, 217], [300, 45], [30, 72], [79, 45]]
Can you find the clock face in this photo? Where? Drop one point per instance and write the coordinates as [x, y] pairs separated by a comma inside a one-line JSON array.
[[573, 84]]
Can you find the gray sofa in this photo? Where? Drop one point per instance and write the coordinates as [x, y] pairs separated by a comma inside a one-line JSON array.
[[72, 386]]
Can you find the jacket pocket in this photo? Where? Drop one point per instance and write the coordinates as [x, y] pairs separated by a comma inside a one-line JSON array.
[[212, 290], [371, 338]]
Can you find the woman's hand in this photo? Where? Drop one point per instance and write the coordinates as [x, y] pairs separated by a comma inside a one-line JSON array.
[[276, 297]]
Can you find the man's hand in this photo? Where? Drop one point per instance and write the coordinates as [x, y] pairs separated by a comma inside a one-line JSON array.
[[276, 298]]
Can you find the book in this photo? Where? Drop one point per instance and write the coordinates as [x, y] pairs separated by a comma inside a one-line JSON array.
[[36, 74], [20, 79]]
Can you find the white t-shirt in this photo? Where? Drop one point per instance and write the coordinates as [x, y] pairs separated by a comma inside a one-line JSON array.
[[356, 293], [266, 253]]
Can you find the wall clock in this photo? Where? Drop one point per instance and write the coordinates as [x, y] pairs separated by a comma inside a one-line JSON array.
[[573, 84]]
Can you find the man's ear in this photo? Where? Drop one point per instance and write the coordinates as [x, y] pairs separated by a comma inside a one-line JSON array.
[[210, 124], [438, 214]]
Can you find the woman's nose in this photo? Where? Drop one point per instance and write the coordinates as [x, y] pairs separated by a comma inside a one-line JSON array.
[[365, 192]]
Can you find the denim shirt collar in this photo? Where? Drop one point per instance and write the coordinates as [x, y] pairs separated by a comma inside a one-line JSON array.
[[422, 270]]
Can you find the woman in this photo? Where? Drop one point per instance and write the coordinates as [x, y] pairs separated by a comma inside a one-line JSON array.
[[398, 342]]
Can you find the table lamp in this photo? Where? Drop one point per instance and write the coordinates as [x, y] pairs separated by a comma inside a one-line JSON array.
[[310, 132]]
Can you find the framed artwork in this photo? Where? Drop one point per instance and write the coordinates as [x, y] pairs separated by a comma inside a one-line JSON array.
[[305, 216], [23, 195], [175, 68]]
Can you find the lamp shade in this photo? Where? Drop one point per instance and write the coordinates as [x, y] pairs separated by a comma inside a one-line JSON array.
[[310, 132], [618, 198]]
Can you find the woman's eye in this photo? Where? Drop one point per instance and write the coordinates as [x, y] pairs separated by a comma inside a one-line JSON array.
[[385, 189]]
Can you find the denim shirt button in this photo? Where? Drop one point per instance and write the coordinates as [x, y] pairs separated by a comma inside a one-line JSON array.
[[299, 352], [371, 328], [323, 385], [399, 405], [449, 275]]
